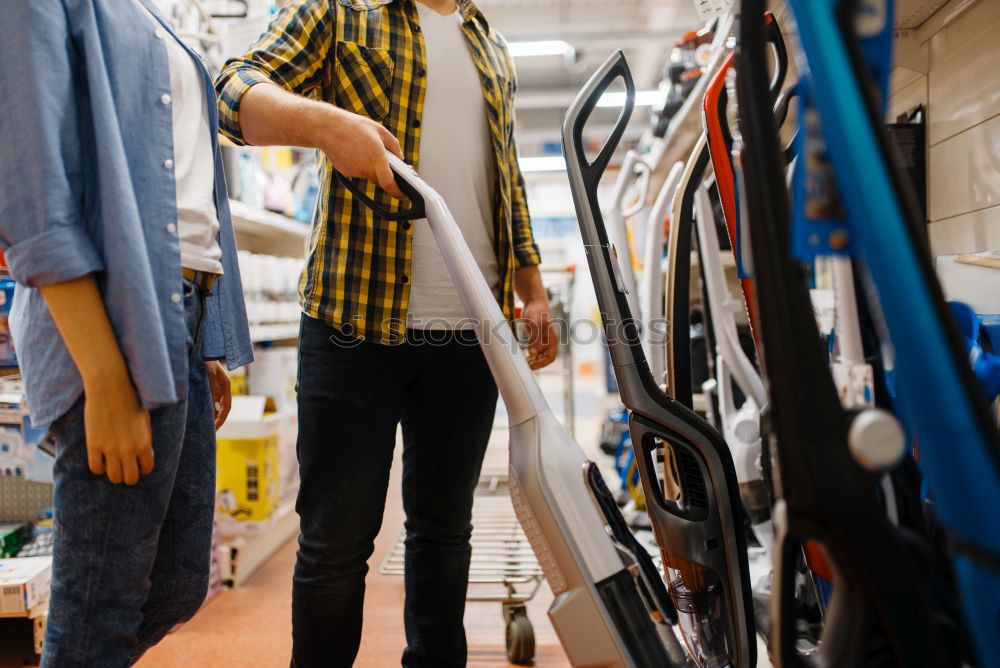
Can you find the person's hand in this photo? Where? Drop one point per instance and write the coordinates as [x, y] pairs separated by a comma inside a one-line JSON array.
[[543, 337], [356, 147], [222, 391], [119, 437]]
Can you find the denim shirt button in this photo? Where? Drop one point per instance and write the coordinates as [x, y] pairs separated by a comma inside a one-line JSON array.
[[168, 164], [171, 228], [160, 33], [165, 99], [175, 298]]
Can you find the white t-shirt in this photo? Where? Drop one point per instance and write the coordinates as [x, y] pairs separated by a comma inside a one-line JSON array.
[[456, 159], [193, 161]]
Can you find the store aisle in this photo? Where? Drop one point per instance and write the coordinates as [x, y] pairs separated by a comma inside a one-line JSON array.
[[251, 625]]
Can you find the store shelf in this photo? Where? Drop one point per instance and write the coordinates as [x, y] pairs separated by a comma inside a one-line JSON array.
[[686, 126], [262, 223], [282, 331], [245, 554]]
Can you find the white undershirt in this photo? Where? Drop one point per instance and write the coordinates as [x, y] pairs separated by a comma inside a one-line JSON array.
[[193, 161], [456, 159]]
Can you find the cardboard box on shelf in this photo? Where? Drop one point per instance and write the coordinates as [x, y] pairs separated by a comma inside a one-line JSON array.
[[20, 455], [248, 466], [272, 375], [24, 584], [239, 384]]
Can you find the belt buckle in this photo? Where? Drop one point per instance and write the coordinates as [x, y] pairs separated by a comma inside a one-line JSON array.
[[204, 280]]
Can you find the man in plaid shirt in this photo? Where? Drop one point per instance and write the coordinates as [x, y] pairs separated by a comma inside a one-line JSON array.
[[383, 339]]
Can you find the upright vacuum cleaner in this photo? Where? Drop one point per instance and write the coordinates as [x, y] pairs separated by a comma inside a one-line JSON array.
[[611, 607], [700, 530]]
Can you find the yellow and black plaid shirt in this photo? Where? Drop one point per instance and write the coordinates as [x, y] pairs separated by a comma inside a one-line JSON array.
[[367, 56]]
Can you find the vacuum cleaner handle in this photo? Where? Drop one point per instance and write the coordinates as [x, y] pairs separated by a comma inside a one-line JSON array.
[[781, 115], [643, 173], [416, 211], [591, 172], [777, 41]]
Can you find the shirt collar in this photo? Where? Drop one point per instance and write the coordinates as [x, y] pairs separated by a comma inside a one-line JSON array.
[[470, 11], [467, 8]]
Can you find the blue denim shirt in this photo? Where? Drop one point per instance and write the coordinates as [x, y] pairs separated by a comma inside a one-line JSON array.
[[85, 187]]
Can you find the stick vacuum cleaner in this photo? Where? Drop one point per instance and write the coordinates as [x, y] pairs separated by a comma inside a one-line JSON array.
[[611, 607], [699, 530]]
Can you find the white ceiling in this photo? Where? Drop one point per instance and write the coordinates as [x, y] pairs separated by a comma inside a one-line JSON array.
[[644, 29]]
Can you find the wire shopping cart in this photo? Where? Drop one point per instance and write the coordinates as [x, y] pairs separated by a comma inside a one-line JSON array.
[[503, 566]]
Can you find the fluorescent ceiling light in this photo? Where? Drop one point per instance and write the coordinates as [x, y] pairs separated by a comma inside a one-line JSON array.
[[555, 47], [643, 98], [547, 163]]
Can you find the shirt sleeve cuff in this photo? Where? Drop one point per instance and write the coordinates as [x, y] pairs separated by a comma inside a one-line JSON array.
[[56, 255], [527, 256], [231, 86]]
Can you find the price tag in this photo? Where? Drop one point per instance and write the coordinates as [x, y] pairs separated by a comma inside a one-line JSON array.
[[708, 9]]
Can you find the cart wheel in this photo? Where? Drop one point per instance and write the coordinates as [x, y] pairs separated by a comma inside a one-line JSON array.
[[520, 636]]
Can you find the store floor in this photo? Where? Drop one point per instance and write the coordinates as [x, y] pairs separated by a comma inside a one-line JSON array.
[[251, 625]]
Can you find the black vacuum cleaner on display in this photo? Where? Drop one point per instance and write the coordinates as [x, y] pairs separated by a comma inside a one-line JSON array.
[[699, 529], [611, 607]]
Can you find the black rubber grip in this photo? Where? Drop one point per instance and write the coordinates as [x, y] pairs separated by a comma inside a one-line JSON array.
[[417, 208]]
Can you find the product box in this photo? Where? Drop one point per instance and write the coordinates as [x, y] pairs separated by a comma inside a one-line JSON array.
[[247, 477], [8, 357], [272, 375], [24, 584], [238, 382], [22, 446], [12, 536]]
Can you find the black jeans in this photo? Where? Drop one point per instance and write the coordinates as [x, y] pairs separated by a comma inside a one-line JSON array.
[[352, 395]]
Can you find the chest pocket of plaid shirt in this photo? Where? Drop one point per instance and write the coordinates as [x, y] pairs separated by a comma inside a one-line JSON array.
[[364, 79]]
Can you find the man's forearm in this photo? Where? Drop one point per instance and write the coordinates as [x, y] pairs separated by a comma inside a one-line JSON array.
[[528, 284], [273, 116], [355, 145]]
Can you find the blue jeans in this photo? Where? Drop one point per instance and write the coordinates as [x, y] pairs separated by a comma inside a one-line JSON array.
[[352, 396], [129, 563]]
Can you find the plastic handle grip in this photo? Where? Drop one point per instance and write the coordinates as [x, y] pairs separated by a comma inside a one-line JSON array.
[[777, 42], [592, 171], [417, 208]]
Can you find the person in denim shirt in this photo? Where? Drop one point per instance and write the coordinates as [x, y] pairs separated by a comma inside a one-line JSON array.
[[115, 223]]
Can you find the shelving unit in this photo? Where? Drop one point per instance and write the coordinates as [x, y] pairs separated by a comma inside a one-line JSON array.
[[262, 231], [686, 126], [243, 555], [274, 332], [37, 617]]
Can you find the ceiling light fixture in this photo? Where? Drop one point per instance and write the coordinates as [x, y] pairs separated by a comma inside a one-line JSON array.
[[545, 163], [643, 98], [555, 47]]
